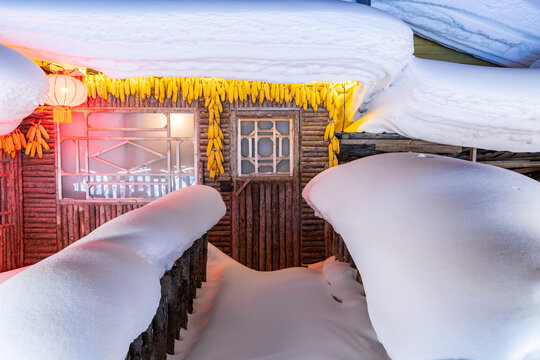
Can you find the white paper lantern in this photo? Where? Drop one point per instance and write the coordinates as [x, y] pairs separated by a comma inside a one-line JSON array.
[[65, 92]]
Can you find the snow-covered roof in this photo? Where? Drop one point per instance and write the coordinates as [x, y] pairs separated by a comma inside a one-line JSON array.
[[297, 41], [463, 105], [23, 86], [503, 32]]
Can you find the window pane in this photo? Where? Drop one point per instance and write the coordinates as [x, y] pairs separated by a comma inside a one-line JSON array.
[[247, 127], [76, 128], [247, 167], [106, 120], [286, 147], [283, 127], [68, 158], [283, 166], [266, 169], [265, 125], [187, 156], [265, 147], [245, 147], [74, 187], [182, 125]]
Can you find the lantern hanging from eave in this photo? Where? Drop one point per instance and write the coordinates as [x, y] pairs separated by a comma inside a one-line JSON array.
[[64, 93]]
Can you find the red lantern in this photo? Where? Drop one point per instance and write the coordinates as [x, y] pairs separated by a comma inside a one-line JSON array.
[[65, 92]]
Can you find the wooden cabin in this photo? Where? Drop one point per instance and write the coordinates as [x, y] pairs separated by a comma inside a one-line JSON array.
[[119, 153]]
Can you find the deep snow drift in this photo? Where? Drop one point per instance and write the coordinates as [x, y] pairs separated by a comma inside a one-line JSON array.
[[448, 250], [463, 105], [92, 299], [503, 32], [297, 41], [23, 86], [313, 314], [86, 302], [161, 231]]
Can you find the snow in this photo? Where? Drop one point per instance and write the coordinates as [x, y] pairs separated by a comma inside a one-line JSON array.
[[242, 314], [5, 276], [93, 298], [23, 86], [463, 105], [86, 302], [448, 251], [161, 231], [503, 32], [297, 41]]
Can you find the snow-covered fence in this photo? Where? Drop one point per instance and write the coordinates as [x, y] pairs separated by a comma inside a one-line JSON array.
[[178, 289], [90, 300]]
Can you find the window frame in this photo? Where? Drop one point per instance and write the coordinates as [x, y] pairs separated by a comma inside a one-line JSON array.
[[86, 112], [292, 143]]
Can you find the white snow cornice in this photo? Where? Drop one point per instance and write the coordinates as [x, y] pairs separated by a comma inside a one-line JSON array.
[[503, 32], [464, 105], [278, 41]]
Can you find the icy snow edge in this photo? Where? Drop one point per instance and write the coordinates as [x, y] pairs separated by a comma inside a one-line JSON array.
[[23, 86], [92, 299], [503, 32], [295, 41], [462, 105]]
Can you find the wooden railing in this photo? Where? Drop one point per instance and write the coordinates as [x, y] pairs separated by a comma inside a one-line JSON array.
[[178, 289]]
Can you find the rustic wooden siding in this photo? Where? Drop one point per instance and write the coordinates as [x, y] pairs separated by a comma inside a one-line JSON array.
[[11, 216], [427, 49], [314, 160], [39, 197], [221, 234], [267, 236], [78, 219]]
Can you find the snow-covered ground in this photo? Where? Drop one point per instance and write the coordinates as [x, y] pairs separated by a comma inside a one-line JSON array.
[[23, 86], [92, 299], [503, 32], [313, 314], [448, 250], [283, 41], [463, 105]]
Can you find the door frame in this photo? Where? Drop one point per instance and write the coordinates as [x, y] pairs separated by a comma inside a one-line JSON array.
[[240, 181]]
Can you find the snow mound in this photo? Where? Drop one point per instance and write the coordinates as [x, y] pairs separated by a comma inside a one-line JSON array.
[[317, 313], [463, 105], [161, 231], [282, 41], [5, 276], [86, 302], [506, 33], [23, 86], [448, 250]]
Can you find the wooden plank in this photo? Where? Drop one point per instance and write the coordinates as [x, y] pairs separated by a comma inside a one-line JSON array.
[[249, 224], [262, 227], [268, 229], [256, 223], [282, 228], [242, 227]]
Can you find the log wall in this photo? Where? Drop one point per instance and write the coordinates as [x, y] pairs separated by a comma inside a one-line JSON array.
[[39, 196], [11, 215]]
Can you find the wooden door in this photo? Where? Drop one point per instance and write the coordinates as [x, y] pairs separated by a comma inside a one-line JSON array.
[[266, 204]]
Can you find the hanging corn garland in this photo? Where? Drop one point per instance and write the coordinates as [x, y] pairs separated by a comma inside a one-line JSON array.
[[16, 141], [337, 98], [13, 142]]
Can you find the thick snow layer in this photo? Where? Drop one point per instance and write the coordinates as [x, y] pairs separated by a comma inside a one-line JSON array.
[[23, 86], [313, 314], [161, 231], [448, 250], [464, 105], [86, 302], [5, 276], [503, 32], [276, 41]]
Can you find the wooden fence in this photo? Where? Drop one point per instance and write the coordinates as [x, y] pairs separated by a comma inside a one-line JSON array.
[[178, 289]]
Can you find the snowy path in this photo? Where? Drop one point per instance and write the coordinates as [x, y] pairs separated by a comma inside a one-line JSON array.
[[299, 313]]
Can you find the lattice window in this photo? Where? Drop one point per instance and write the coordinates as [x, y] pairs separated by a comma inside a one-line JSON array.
[[120, 155], [265, 147]]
